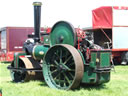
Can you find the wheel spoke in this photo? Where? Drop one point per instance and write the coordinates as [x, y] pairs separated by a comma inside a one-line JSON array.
[[56, 53], [52, 65], [54, 71], [56, 76], [73, 70], [56, 62], [64, 82], [60, 56], [60, 53], [68, 59], [71, 64], [66, 67], [66, 55], [59, 79], [67, 78], [71, 75]]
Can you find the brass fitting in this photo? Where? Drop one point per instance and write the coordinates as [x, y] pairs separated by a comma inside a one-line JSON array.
[[37, 3]]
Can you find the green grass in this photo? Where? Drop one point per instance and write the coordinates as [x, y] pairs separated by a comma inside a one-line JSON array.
[[118, 86]]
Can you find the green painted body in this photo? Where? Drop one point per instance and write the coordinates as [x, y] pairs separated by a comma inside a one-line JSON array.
[[46, 40], [39, 51], [16, 58], [98, 70], [62, 33]]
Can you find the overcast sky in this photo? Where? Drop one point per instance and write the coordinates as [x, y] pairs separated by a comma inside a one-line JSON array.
[[19, 13]]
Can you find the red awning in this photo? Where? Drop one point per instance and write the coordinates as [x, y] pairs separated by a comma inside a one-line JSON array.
[[102, 17]]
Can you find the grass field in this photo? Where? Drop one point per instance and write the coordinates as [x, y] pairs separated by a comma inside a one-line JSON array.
[[118, 86]]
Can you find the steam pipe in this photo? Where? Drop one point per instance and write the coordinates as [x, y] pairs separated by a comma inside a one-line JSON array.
[[37, 19]]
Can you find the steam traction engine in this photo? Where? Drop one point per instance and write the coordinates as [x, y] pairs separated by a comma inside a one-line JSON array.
[[65, 59]]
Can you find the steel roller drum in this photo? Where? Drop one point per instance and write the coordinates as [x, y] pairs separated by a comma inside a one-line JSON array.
[[22, 76], [63, 33]]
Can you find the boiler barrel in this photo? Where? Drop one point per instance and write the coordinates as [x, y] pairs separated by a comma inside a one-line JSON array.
[[39, 51]]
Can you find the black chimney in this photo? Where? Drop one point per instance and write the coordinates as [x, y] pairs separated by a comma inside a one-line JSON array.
[[37, 19]]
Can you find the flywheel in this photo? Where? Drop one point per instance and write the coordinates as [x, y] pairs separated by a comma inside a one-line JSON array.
[[63, 67], [63, 33]]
